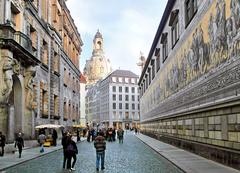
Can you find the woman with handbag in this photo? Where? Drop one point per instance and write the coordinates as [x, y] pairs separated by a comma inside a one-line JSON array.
[[71, 152]]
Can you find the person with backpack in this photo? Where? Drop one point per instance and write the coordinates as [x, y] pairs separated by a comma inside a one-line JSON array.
[[71, 152], [19, 143]]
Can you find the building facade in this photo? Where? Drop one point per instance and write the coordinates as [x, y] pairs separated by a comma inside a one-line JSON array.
[[82, 100], [40, 49], [119, 100], [189, 87]]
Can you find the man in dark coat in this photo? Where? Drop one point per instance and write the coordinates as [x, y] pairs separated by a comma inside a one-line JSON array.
[[71, 152], [54, 136], [2, 143], [100, 146], [64, 144], [19, 143], [120, 134]]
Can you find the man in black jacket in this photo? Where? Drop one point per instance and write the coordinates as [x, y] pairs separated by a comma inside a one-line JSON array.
[[100, 146], [2, 143]]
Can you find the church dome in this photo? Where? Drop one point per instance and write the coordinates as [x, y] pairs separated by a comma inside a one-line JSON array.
[[98, 66]]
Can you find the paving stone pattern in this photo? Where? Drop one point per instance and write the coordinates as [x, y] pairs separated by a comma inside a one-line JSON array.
[[131, 157]]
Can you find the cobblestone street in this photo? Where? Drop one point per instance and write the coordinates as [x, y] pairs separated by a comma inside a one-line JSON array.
[[131, 157]]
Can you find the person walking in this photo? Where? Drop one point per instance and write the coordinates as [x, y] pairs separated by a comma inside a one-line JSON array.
[[54, 136], [64, 144], [19, 143], [100, 146], [71, 152], [41, 139], [2, 144], [120, 134]]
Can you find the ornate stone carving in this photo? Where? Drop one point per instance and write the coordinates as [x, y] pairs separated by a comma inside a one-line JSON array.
[[29, 74], [19, 4]]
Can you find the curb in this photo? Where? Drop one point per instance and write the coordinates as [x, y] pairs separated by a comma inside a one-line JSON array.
[[161, 155]]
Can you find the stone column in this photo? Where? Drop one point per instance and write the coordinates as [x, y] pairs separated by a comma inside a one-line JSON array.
[[11, 120]]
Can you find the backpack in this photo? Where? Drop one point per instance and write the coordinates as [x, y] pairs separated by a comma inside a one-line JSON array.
[[70, 148]]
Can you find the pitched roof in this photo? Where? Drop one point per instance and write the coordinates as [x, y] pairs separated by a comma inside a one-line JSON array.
[[123, 73]]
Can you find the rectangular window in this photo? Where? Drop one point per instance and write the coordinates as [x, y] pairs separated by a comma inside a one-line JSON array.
[[153, 68], [157, 54], [120, 89], [120, 105], [133, 89], [133, 106], [114, 105], [126, 106], [133, 97], [114, 88], [120, 97], [114, 97], [126, 90], [126, 98], [175, 31], [190, 10], [165, 48]]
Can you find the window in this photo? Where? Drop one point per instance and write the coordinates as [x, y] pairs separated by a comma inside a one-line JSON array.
[[126, 106], [190, 10], [114, 88], [133, 106], [133, 98], [120, 105], [126, 80], [45, 53], [153, 68], [114, 105], [120, 97], [132, 80], [120, 80], [114, 79], [173, 22], [157, 54], [120, 89], [149, 77], [133, 90], [164, 42], [126, 90], [126, 98], [114, 97]]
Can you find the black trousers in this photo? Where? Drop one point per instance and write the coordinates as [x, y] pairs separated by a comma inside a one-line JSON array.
[[20, 150], [2, 152], [64, 159], [69, 161]]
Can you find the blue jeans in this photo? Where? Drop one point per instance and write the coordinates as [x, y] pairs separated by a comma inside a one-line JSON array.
[[100, 155]]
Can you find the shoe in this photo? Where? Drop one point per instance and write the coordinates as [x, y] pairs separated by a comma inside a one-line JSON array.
[[73, 169], [97, 169], [102, 168]]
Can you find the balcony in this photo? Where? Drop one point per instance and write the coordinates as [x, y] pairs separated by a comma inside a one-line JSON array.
[[19, 43]]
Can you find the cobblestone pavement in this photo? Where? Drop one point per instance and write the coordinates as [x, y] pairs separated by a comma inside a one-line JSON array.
[[131, 157]]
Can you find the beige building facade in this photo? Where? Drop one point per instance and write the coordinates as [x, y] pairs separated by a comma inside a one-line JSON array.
[[39, 66], [189, 87]]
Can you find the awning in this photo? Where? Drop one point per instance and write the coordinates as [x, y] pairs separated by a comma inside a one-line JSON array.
[[52, 126]]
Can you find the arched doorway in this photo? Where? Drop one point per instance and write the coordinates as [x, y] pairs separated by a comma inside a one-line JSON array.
[[15, 113]]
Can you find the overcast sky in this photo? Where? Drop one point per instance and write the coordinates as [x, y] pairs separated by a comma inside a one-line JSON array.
[[127, 26]]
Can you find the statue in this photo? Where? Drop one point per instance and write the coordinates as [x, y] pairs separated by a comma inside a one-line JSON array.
[[30, 73]]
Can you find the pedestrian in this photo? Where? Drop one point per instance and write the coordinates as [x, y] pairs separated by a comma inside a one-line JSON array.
[[100, 146], [64, 144], [2, 144], [136, 130], [89, 135], [19, 143], [41, 140], [71, 152], [54, 137], [78, 135], [120, 134], [114, 134]]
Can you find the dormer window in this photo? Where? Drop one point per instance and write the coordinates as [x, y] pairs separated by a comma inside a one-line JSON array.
[[173, 22], [190, 10], [164, 42]]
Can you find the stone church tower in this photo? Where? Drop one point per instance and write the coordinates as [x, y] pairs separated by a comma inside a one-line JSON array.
[[98, 66]]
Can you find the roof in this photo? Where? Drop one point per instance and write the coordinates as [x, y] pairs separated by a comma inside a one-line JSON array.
[[163, 22], [123, 73], [82, 79]]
